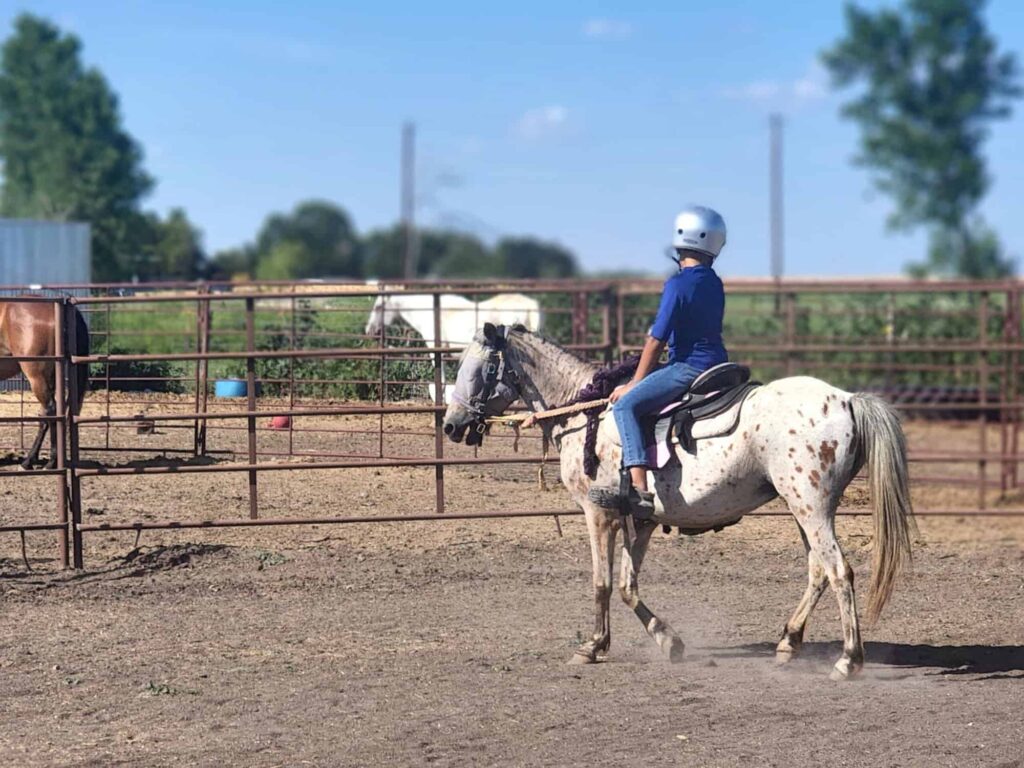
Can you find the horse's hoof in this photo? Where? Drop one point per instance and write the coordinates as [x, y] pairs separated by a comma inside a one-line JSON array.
[[786, 651], [844, 670], [676, 650], [581, 656]]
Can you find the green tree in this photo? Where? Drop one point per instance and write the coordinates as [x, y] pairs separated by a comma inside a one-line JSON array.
[[445, 253], [179, 251], [286, 260], [933, 81], [442, 253], [65, 153], [330, 245], [382, 253], [230, 263], [527, 257]]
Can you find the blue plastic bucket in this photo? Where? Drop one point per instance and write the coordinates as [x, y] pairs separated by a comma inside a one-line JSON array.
[[230, 388]]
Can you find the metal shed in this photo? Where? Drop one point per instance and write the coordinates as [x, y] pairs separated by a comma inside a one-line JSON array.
[[36, 253]]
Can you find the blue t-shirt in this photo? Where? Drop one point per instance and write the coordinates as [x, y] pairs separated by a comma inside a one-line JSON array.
[[690, 318]]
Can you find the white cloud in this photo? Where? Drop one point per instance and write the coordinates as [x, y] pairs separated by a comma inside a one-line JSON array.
[[810, 86], [541, 122], [813, 85], [759, 90], [607, 29]]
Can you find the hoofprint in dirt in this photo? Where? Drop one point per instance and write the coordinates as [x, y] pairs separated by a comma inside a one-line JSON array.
[[446, 643]]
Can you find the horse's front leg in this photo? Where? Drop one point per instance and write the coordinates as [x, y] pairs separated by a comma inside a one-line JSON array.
[[51, 410], [632, 559], [602, 530]]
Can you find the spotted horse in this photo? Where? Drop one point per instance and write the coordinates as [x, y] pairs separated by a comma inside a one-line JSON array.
[[797, 438]]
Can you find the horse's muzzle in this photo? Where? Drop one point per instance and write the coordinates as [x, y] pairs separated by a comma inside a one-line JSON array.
[[455, 432]]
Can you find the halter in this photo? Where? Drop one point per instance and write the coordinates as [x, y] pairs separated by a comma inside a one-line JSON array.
[[497, 370]]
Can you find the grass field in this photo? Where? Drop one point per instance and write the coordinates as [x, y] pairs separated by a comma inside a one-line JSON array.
[[756, 329]]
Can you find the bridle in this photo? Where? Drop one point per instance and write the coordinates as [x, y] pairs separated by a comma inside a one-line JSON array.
[[498, 371]]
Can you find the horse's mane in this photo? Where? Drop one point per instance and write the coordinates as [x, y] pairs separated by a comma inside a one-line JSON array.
[[593, 383], [544, 339]]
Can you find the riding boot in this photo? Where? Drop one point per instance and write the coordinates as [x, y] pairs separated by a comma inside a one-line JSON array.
[[627, 499]]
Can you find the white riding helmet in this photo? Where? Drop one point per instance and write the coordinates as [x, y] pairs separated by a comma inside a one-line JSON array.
[[699, 229]]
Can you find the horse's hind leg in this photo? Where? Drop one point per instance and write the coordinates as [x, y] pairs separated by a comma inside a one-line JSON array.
[[41, 381], [663, 634], [33, 454], [793, 632], [602, 546], [51, 410], [824, 545]]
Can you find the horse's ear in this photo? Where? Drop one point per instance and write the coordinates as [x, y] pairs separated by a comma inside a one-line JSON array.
[[490, 332], [520, 328]]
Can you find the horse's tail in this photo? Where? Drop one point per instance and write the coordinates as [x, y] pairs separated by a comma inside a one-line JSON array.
[[81, 370], [883, 447]]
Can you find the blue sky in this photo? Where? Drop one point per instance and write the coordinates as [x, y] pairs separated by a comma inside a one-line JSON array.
[[585, 123]]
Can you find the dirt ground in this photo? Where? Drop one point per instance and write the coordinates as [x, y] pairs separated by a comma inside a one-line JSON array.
[[446, 643]]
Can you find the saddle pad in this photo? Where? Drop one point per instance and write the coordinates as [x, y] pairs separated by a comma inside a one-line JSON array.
[[659, 445]]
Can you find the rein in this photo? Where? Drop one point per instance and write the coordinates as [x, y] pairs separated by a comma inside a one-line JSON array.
[[517, 419], [593, 396]]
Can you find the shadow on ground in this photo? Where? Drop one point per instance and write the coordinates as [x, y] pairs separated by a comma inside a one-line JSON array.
[[992, 660]]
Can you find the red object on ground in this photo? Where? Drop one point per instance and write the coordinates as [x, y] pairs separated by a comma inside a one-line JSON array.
[[280, 422]]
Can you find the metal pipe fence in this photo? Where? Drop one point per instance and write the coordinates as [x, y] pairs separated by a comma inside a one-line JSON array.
[[305, 344]]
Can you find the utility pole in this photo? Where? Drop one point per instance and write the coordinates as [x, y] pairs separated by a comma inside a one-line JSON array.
[[775, 192], [410, 241]]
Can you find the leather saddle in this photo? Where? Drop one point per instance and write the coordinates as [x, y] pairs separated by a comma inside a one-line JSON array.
[[711, 394]]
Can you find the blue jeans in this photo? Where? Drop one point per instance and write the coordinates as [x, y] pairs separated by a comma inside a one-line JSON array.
[[650, 395]]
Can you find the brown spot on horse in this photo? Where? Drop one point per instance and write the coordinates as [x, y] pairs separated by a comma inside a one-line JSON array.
[[827, 454]]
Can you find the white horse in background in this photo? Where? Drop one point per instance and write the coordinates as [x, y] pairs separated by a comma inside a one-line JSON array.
[[460, 318]]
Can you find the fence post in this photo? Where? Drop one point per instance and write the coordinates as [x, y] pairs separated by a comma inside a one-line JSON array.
[[982, 394], [790, 339], [606, 325], [59, 427], [620, 321], [106, 374], [383, 371], [438, 401], [580, 317], [73, 408], [250, 380], [292, 341], [1015, 392], [202, 370], [1006, 397]]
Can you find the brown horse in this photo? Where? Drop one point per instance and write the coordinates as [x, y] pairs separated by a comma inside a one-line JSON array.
[[27, 329]]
